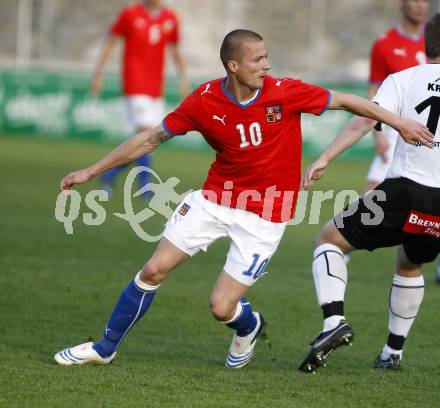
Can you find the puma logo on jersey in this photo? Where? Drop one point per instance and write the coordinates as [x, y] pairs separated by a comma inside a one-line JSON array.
[[278, 83], [401, 52], [207, 89], [215, 117]]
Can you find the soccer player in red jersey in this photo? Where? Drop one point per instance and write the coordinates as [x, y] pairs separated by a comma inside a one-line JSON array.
[[147, 29], [252, 121]]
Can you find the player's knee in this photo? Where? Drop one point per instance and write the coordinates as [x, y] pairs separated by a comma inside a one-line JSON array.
[[405, 267], [325, 236], [329, 234], [221, 309], [320, 239], [409, 270], [152, 274]]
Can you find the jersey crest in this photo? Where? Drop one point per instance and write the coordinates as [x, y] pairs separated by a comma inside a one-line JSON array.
[[273, 113]]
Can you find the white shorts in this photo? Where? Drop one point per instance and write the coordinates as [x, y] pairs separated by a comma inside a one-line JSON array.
[[143, 111], [378, 169], [197, 223]]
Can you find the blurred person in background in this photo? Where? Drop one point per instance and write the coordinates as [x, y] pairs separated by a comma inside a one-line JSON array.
[[146, 28]]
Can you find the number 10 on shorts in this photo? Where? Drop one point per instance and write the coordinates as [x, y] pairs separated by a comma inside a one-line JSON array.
[[257, 268]]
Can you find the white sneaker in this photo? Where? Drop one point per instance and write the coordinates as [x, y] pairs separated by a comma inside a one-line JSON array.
[[82, 354], [242, 348]]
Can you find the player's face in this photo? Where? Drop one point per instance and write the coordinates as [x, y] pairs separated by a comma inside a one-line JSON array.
[[415, 10], [253, 64]]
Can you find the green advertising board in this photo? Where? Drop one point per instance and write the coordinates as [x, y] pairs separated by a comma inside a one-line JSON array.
[[59, 105]]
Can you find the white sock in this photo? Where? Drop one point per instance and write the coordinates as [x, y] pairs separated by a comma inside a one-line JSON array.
[[144, 286], [236, 314], [405, 299], [330, 277], [331, 322], [387, 351]]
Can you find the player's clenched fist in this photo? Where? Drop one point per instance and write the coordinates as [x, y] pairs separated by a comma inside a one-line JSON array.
[[314, 172], [76, 177]]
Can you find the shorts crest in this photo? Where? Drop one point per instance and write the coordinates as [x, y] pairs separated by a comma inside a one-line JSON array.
[[184, 209]]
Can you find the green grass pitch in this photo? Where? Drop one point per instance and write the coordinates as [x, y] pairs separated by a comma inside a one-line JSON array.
[[57, 290]]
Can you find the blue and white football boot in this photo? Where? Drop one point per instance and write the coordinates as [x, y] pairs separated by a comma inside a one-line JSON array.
[[242, 347], [82, 354]]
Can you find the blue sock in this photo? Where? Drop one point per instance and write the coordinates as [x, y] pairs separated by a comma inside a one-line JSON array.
[[131, 306], [245, 322], [144, 177]]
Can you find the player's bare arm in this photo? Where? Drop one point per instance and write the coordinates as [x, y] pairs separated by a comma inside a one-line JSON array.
[[355, 130], [107, 50], [138, 145], [410, 131], [181, 69]]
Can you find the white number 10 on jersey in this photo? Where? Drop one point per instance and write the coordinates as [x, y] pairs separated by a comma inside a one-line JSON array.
[[254, 132]]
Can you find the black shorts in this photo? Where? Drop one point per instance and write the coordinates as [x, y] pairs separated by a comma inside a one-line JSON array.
[[411, 217]]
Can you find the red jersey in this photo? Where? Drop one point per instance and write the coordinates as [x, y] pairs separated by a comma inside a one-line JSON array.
[[146, 36], [258, 144], [395, 52]]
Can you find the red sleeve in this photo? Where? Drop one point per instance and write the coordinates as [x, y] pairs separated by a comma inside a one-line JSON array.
[[184, 118], [119, 26], [306, 98], [378, 71]]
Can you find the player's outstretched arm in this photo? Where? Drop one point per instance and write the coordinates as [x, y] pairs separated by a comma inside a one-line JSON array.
[[355, 129], [107, 49], [410, 130], [136, 146], [179, 62]]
